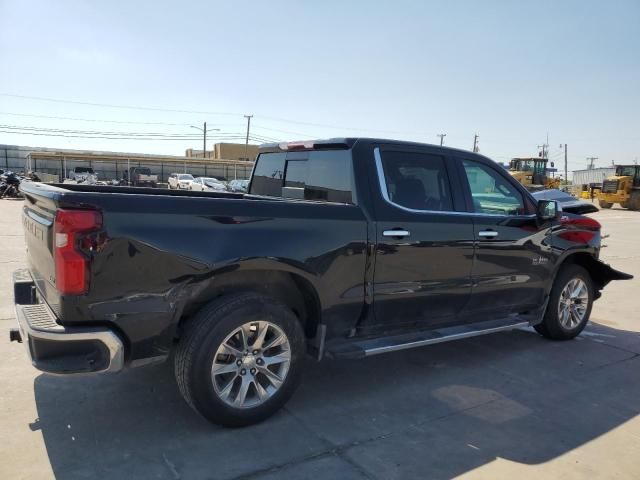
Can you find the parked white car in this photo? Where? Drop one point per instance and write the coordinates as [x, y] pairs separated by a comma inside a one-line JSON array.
[[208, 184], [83, 175], [180, 181], [238, 185]]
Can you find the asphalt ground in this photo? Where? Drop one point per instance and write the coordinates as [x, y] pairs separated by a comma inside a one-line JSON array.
[[509, 405]]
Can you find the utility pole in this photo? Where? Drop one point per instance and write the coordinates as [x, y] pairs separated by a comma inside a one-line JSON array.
[[475, 143], [545, 150], [566, 175], [591, 160], [441, 135], [246, 143], [204, 143]]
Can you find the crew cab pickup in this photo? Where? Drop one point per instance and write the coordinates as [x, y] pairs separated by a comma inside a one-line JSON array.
[[341, 248]]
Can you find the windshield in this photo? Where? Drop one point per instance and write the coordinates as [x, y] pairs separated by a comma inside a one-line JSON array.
[[626, 171], [83, 170], [143, 171], [211, 180], [185, 176]]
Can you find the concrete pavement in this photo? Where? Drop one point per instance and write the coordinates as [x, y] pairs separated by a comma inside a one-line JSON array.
[[500, 406]]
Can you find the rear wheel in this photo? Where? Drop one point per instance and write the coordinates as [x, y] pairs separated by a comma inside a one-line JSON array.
[[604, 204], [634, 202], [239, 360], [569, 305]]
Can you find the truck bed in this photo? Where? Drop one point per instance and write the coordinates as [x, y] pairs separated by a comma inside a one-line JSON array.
[[160, 253], [60, 188]]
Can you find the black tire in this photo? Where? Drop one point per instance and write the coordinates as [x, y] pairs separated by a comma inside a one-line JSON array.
[[551, 326], [206, 332], [604, 204], [634, 202]]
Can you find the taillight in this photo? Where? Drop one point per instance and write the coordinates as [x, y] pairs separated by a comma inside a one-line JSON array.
[[582, 229], [303, 145], [71, 231]]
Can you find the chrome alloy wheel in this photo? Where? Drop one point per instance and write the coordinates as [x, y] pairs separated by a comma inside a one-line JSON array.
[[574, 300], [251, 364]]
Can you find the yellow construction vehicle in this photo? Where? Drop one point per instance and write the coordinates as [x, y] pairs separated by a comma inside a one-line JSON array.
[[532, 173], [622, 188]]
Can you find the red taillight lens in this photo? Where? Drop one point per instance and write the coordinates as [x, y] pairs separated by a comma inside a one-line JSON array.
[[303, 145], [71, 264], [584, 222], [582, 229]]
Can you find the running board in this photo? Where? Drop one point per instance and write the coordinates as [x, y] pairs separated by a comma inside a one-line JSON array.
[[359, 348]]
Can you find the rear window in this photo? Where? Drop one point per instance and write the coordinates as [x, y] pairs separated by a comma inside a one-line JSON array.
[[323, 175]]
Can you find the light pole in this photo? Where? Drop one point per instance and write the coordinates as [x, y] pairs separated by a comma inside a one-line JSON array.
[[204, 141]]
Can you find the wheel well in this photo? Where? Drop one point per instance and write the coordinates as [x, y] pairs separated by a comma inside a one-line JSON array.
[[290, 289], [590, 264]]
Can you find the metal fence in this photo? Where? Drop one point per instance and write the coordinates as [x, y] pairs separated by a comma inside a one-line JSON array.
[[112, 166]]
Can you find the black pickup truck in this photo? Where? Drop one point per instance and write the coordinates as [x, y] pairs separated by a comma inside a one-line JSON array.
[[341, 248]]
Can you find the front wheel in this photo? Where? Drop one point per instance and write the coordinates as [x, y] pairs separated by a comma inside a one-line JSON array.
[[569, 305], [604, 204], [239, 360]]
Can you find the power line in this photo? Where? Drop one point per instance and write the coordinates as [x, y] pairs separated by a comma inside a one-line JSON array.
[[78, 119], [110, 105], [106, 137], [197, 112], [112, 133], [99, 132], [285, 131]]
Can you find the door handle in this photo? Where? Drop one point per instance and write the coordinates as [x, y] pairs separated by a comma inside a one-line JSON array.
[[396, 233], [488, 233]]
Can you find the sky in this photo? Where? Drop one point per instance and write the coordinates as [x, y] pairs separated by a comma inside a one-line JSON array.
[[512, 72]]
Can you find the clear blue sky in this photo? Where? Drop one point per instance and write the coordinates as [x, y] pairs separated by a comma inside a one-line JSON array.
[[509, 70]]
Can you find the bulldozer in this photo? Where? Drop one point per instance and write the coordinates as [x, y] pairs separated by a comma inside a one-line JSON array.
[[532, 173], [622, 188]]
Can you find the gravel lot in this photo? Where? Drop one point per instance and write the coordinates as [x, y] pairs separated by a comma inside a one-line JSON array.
[[509, 405]]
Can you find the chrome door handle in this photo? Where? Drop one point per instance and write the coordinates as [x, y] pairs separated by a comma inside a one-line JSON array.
[[488, 233], [396, 233]]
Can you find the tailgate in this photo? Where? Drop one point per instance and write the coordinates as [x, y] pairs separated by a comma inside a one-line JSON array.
[[38, 214]]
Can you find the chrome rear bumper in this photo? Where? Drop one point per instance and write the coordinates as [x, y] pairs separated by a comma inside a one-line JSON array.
[[56, 349]]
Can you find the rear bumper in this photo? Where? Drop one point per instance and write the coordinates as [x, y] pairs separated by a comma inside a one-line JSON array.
[[56, 349]]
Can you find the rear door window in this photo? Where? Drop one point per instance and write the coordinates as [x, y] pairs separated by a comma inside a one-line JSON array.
[[323, 175], [417, 180]]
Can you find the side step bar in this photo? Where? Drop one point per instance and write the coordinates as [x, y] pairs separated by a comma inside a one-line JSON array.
[[366, 347]]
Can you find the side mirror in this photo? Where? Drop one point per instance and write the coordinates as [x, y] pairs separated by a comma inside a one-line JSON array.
[[553, 164], [547, 210]]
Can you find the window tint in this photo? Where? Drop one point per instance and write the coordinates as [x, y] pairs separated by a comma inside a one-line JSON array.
[[417, 180], [268, 174], [315, 175], [491, 192]]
